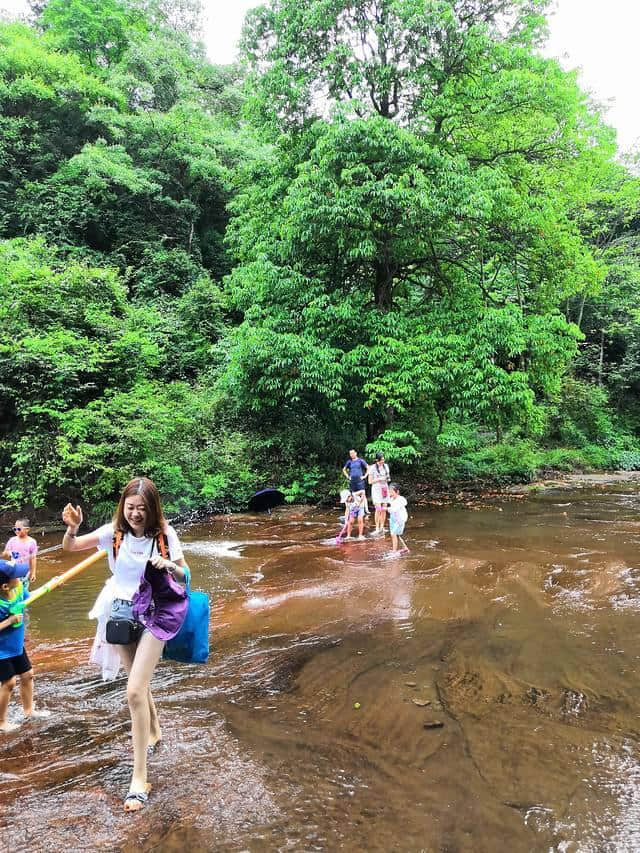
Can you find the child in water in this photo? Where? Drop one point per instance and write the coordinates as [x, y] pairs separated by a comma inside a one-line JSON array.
[[354, 508], [397, 519], [13, 657], [21, 547]]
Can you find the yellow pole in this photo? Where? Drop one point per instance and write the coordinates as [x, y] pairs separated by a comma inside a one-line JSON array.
[[58, 580]]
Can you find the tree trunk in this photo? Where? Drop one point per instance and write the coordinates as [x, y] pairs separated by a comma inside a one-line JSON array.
[[383, 294], [601, 358], [581, 311], [383, 422]]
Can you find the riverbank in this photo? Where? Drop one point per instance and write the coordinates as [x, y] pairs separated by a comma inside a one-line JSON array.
[[425, 493], [430, 494]]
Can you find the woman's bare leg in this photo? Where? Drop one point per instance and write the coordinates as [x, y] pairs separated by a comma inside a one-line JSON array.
[[146, 657], [155, 732], [127, 654]]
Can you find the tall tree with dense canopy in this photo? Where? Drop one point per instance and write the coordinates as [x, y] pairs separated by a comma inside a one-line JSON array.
[[409, 226]]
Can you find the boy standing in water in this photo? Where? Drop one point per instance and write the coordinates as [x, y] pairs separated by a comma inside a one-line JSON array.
[[22, 548], [13, 657], [397, 519]]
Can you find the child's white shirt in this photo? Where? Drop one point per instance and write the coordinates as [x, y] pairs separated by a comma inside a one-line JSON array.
[[398, 508]]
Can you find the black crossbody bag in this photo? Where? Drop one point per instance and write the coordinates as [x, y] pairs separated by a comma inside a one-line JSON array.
[[122, 628]]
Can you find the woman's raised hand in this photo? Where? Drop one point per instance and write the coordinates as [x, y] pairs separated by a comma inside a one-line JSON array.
[[72, 516]]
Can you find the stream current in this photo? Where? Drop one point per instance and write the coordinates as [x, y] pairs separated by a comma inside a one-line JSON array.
[[480, 694]]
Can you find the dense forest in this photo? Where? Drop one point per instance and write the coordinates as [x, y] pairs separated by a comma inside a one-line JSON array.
[[393, 225]]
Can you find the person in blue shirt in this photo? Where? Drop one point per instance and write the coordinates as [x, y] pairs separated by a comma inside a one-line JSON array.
[[355, 470], [14, 662]]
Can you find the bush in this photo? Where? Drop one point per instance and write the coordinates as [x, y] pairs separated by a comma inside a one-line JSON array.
[[305, 488], [167, 431], [582, 416], [629, 460], [505, 462]]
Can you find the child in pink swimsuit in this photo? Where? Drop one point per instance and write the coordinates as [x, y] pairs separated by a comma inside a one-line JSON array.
[[22, 548]]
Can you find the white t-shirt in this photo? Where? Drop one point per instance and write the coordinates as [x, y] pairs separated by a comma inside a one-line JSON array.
[[132, 559], [398, 508], [378, 474]]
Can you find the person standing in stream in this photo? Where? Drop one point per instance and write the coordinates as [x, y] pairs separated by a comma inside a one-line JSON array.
[[379, 478], [131, 541], [355, 470], [21, 547]]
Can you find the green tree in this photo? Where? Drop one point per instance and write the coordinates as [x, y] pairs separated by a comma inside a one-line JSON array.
[[420, 239], [96, 30], [46, 99]]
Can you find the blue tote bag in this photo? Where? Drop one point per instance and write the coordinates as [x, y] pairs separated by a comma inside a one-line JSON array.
[[191, 643]]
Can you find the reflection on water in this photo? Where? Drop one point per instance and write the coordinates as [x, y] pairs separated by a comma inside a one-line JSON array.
[[481, 694]]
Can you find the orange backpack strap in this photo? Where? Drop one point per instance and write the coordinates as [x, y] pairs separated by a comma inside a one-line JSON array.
[[117, 542], [162, 544]]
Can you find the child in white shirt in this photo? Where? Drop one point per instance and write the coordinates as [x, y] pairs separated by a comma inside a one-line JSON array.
[[397, 518]]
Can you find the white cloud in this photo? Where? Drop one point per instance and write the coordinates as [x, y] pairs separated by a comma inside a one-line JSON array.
[[222, 26], [600, 38]]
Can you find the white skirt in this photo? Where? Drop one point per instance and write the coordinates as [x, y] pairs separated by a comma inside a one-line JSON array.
[[377, 497], [103, 654]]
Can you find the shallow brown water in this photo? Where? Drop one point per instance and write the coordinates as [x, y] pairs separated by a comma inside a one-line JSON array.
[[516, 621]]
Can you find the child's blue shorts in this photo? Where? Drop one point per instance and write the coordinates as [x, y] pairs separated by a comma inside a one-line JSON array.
[[396, 527]]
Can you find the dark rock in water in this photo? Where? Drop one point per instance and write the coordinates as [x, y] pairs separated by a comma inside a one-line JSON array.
[[433, 724], [266, 499], [532, 695]]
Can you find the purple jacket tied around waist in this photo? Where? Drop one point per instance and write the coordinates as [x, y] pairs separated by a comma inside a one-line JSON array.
[[160, 604]]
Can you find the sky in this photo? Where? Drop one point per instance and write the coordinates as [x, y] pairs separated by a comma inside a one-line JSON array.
[[599, 38]]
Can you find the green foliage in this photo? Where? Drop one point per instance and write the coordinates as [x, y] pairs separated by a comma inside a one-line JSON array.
[[97, 30], [397, 445], [305, 488], [82, 202], [166, 431], [582, 416], [420, 242], [46, 99], [67, 335], [511, 461], [629, 460], [391, 59]]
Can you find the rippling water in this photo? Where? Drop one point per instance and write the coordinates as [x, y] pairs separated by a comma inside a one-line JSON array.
[[481, 694]]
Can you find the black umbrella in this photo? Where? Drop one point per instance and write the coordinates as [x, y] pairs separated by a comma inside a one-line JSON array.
[[266, 499]]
